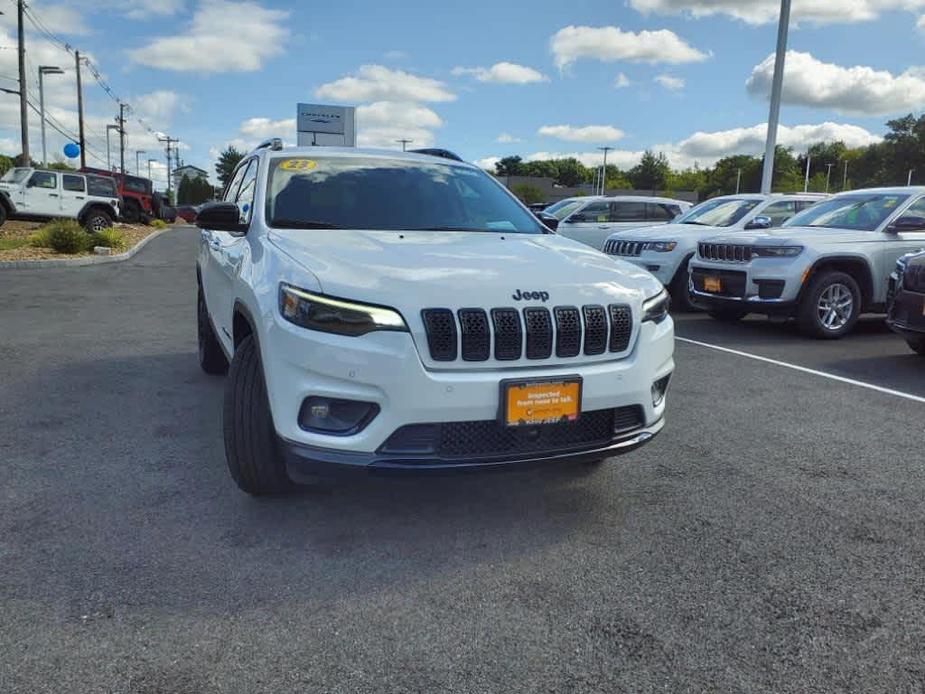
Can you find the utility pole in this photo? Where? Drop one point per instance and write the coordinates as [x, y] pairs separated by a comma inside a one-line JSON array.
[[909, 179], [738, 179], [828, 176], [776, 87], [604, 174], [404, 144], [150, 161], [137, 165], [23, 103], [169, 141], [122, 137], [80, 112], [809, 158], [108, 148]]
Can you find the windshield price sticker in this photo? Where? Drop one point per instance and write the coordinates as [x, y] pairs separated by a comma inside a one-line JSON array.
[[298, 164]]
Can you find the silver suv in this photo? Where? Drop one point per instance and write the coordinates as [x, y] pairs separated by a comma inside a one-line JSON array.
[[666, 250], [825, 266]]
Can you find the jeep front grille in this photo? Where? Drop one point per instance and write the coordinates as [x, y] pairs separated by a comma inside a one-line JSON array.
[[725, 252], [508, 334], [624, 248]]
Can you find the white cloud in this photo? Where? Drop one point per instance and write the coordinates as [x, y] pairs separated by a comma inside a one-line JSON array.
[[920, 23], [488, 163], [158, 106], [587, 133], [621, 81], [381, 123], [379, 83], [767, 11], [854, 90], [503, 73], [218, 39], [506, 138], [610, 43], [264, 128], [670, 82]]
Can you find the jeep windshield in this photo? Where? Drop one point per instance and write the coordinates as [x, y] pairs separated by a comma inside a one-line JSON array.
[[861, 212], [382, 193], [15, 175], [718, 213]]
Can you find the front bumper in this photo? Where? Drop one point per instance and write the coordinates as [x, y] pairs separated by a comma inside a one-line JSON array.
[[768, 286], [304, 462], [385, 369], [906, 312]]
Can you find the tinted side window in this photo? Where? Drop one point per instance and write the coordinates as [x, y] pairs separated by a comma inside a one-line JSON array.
[[779, 212], [661, 213], [916, 209], [231, 192], [135, 185], [245, 197], [104, 187], [594, 212], [628, 212], [75, 184], [43, 179]]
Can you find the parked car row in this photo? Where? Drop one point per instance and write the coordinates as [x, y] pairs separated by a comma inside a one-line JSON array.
[[820, 260]]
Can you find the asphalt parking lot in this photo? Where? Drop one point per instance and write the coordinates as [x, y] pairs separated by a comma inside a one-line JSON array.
[[769, 540]]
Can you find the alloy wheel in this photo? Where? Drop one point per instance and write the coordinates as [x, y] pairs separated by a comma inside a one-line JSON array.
[[835, 307]]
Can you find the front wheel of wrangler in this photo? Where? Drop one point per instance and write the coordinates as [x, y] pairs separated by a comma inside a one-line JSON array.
[[250, 438]]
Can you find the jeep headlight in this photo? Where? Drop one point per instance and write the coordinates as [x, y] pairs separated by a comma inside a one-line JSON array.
[[656, 308], [331, 315], [661, 246], [776, 251]]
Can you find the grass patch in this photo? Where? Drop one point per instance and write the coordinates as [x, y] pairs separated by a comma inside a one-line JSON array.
[[158, 223], [10, 244], [110, 238]]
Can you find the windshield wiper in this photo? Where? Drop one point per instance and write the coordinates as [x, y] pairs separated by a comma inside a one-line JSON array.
[[303, 224], [448, 228]]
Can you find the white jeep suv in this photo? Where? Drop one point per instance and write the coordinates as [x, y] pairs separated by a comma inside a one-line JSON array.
[[37, 194], [666, 250], [383, 310], [825, 266], [591, 222]]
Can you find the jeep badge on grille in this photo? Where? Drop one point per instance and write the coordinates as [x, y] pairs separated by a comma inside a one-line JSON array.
[[521, 295]]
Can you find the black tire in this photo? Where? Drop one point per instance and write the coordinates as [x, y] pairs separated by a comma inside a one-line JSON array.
[[97, 220], [810, 317], [131, 212], [3, 215], [250, 438], [680, 292], [727, 314], [917, 345], [211, 357]]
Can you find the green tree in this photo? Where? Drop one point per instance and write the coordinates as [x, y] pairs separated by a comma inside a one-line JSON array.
[[183, 191], [571, 172], [528, 194], [651, 173], [6, 163], [509, 166], [200, 191], [227, 161]]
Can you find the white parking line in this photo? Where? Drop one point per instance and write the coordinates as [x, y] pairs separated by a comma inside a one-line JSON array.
[[814, 372]]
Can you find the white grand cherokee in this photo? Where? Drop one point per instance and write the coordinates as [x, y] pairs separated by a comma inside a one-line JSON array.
[[666, 250], [383, 310]]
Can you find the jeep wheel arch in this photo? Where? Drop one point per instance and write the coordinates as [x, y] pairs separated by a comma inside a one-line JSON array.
[[856, 266], [90, 207]]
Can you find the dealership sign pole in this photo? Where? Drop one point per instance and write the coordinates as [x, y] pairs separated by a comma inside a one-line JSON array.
[[776, 86]]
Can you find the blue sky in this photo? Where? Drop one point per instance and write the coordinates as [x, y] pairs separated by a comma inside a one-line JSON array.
[[486, 79]]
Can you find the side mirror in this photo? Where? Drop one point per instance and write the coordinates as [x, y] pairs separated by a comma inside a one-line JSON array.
[[576, 218], [221, 216], [550, 220], [759, 222], [908, 223]]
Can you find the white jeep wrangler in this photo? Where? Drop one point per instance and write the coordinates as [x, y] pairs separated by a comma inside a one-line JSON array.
[[383, 310], [38, 194]]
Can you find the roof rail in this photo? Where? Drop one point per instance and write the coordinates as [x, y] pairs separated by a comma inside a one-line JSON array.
[[274, 143], [436, 152]]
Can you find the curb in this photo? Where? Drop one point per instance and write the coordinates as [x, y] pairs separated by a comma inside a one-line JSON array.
[[87, 260]]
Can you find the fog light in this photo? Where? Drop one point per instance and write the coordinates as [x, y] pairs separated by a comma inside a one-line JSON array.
[[659, 388], [338, 417]]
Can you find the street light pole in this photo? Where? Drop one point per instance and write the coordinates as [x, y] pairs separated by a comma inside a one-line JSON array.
[[828, 176], [404, 144], [149, 167], [45, 70], [137, 165], [738, 180], [776, 88], [844, 185], [108, 148], [604, 171], [909, 179], [809, 158]]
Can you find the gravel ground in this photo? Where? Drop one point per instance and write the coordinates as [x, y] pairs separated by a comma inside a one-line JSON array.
[[770, 540]]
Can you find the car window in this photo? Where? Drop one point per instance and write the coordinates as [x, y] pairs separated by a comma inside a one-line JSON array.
[[661, 213], [779, 212], [43, 179], [75, 184], [916, 209], [720, 212], [231, 192], [384, 193], [563, 211], [15, 175], [862, 211], [627, 212], [101, 186], [135, 185], [593, 212], [245, 197]]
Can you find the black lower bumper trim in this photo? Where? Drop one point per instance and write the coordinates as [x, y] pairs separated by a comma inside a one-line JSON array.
[[709, 302], [304, 461]]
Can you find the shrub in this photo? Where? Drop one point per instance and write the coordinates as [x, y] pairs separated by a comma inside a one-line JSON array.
[[110, 238], [158, 223], [528, 194], [63, 236]]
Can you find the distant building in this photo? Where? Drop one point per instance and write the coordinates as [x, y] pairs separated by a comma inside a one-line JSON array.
[[190, 172]]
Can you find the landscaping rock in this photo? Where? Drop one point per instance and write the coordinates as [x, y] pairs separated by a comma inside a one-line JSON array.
[[102, 250]]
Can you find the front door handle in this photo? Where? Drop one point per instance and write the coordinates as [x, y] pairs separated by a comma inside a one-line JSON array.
[[52, 195]]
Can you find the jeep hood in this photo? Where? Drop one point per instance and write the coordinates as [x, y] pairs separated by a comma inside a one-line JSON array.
[[669, 232], [798, 236], [414, 270]]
